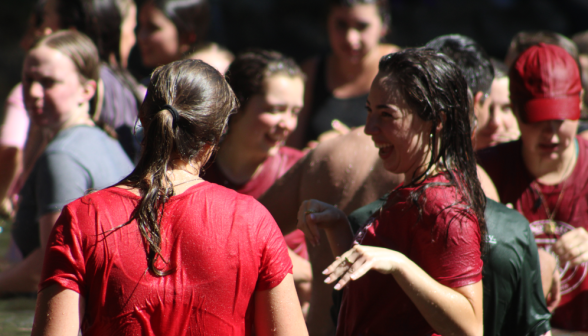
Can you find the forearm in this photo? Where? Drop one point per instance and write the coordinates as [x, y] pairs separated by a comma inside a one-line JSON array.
[[340, 237], [11, 164], [24, 276], [447, 310]]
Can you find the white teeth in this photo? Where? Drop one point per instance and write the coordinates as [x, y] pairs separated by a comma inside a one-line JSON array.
[[382, 145]]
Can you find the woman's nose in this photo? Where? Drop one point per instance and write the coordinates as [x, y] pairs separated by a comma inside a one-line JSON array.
[[353, 38], [35, 90], [288, 121], [371, 126]]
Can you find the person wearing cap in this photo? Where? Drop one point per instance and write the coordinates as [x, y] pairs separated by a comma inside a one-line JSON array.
[[543, 174]]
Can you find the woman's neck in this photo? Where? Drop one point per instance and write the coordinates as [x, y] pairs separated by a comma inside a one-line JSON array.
[[346, 78], [551, 171], [79, 118], [238, 164]]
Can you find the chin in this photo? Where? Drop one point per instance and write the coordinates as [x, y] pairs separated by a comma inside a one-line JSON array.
[[273, 150]]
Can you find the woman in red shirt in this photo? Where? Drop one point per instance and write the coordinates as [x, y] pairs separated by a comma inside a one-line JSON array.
[[164, 252], [425, 243]]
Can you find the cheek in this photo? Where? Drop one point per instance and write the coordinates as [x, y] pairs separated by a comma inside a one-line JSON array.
[[529, 135], [267, 120]]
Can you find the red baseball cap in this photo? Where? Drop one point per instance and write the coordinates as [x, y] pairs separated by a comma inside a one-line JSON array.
[[545, 82]]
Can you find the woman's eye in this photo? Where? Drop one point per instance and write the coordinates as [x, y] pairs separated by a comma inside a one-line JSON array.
[[361, 26], [341, 25], [47, 82]]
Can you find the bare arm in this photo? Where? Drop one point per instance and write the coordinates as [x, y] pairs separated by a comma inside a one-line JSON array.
[[487, 185], [277, 311], [59, 312], [297, 138], [450, 311], [281, 199], [314, 214], [11, 158], [25, 276], [46, 223]]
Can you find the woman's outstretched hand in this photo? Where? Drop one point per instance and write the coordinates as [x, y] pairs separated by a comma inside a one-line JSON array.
[[356, 262], [314, 214]]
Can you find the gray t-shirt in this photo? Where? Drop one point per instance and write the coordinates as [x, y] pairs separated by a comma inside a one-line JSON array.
[[77, 160]]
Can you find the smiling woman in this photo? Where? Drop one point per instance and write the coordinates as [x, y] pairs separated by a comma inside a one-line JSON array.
[[252, 155], [425, 242]]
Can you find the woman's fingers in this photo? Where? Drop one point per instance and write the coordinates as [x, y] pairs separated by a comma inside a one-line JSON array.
[[356, 262], [306, 224], [313, 215]]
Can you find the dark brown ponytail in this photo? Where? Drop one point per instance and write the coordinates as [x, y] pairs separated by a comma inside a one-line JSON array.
[[203, 101]]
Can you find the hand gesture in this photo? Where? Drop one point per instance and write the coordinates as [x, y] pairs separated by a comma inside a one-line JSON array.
[[314, 214], [356, 262], [572, 246]]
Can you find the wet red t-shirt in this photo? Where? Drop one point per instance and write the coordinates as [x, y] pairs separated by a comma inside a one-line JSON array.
[[515, 185], [445, 244], [272, 169], [221, 247]]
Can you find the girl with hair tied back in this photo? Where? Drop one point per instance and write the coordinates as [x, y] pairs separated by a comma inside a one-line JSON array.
[[416, 263], [60, 76], [164, 252], [252, 155]]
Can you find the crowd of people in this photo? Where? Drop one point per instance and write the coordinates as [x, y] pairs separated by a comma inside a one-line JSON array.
[[373, 190]]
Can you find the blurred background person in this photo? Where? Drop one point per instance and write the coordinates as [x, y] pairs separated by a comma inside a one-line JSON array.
[[111, 26], [338, 82], [502, 124], [60, 79], [170, 30]]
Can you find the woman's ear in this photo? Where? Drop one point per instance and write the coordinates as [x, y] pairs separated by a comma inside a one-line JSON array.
[[439, 126], [88, 90], [186, 43]]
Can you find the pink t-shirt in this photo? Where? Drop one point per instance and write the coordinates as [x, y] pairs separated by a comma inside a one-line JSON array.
[[220, 245], [445, 243], [272, 169], [14, 130]]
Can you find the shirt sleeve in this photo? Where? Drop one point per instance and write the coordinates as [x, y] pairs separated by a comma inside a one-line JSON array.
[[275, 262], [14, 130], [528, 305], [450, 251], [60, 181], [64, 258]]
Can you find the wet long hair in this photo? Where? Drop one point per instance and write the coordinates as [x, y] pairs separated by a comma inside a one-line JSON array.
[[434, 87], [204, 102]]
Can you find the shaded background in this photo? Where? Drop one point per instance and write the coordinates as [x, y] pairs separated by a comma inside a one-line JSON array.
[[296, 27]]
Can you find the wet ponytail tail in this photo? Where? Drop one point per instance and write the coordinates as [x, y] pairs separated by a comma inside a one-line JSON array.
[[155, 186]]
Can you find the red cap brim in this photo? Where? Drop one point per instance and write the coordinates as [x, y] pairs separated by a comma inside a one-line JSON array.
[[560, 108]]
